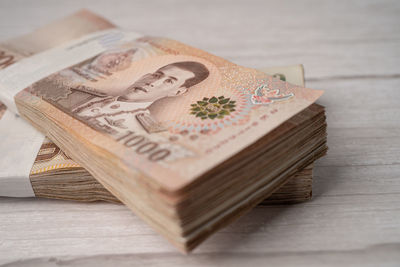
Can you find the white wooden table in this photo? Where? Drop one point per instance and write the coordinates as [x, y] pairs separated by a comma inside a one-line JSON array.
[[350, 49]]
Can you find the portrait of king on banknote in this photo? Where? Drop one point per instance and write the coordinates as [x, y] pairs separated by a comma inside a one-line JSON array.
[[113, 113], [90, 90]]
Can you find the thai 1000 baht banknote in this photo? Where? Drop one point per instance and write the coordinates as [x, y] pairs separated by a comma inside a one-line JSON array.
[[14, 179], [154, 106], [15, 167]]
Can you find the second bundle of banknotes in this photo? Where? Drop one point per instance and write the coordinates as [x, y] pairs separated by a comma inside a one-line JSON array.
[[187, 140]]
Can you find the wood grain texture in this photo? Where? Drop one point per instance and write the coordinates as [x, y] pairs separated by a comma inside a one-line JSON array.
[[349, 48]]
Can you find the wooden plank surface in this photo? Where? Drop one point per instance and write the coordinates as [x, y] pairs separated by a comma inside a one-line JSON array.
[[351, 49]]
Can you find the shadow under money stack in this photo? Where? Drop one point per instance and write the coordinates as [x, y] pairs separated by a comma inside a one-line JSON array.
[[187, 140]]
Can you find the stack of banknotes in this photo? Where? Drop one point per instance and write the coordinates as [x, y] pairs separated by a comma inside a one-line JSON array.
[[185, 139]]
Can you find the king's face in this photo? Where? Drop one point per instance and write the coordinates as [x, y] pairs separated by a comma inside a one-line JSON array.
[[166, 81]]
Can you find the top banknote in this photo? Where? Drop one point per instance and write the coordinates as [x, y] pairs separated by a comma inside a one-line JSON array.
[[164, 109]]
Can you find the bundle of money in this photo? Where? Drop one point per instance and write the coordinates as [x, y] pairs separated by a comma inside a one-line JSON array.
[[187, 140], [53, 174]]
